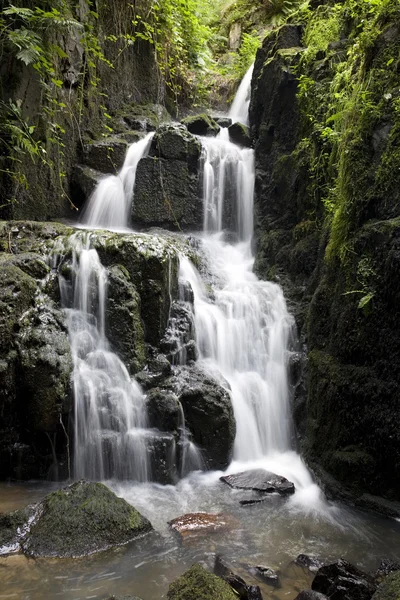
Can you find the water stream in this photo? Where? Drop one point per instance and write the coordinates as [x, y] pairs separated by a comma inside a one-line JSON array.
[[244, 335]]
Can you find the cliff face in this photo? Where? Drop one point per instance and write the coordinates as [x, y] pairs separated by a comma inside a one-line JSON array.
[[326, 121], [87, 72]]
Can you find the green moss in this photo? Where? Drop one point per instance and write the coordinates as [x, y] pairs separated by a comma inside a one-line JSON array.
[[199, 584], [81, 519], [389, 588]]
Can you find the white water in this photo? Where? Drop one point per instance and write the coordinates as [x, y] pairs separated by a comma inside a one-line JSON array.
[[240, 105], [110, 418], [110, 204]]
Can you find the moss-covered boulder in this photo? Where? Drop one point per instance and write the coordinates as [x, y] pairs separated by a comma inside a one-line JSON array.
[[199, 584], [82, 519], [239, 134], [173, 141], [201, 124], [389, 588]]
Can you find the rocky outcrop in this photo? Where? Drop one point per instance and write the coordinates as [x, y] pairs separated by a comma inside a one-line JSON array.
[[93, 87], [199, 584], [78, 520], [340, 277], [167, 185]]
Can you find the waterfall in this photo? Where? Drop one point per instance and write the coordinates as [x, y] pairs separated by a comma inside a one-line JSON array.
[[110, 418], [110, 204], [240, 105], [244, 331]]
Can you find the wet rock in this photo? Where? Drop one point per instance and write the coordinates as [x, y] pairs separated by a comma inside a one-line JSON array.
[[45, 367], [343, 581], [198, 584], [193, 524], [156, 370], [239, 134], [387, 566], [14, 527], [245, 591], [223, 122], [260, 481], [389, 589], [162, 451], [145, 118], [29, 262], [124, 326], [201, 125], [309, 562], [179, 340], [173, 141], [164, 410], [83, 182], [106, 156], [167, 194], [265, 574], [311, 595], [208, 411], [82, 519]]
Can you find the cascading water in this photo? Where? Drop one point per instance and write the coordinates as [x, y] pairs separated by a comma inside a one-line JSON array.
[[110, 418], [240, 106], [110, 203]]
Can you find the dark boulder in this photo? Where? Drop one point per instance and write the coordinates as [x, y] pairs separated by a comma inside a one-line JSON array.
[[311, 595], [239, 134], [208, 412], [106, 156], [343, 581], [199, 584], [179, 340], [164, 410], [161, 448], [156, 370], [82, 519], [201, 125], [259, 480]]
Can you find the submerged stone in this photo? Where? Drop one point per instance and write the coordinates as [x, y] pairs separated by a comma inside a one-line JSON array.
[[199, 584], [82, 519], [265, 574], [244, 591], [311, 595], [200, 523], [343, 581], [259, 480]]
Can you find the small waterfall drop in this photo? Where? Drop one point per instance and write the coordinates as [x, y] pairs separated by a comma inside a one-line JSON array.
[[110, 416], [110, 204], [240, 106]]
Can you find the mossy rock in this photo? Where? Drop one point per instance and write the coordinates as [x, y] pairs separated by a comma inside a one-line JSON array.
[[173, 141], [201, 125], [199, 584], [82, 519], [389, 588], [239, 134], [12, 528]]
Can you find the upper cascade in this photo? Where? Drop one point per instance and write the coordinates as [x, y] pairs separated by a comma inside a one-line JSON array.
[[240, 106], [110, 204]]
